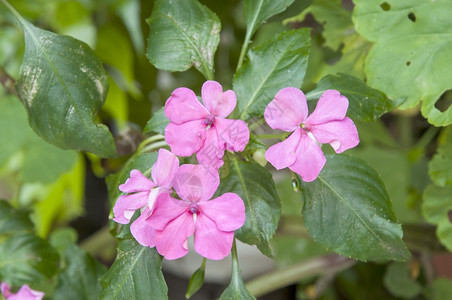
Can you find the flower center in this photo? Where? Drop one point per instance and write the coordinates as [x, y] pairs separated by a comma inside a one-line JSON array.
[[209, 121], [193, 208]]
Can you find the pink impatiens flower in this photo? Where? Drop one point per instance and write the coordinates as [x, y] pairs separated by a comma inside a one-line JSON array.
[[300, 152], [25, 293], [203, 129], [212, 221], [144, 194]]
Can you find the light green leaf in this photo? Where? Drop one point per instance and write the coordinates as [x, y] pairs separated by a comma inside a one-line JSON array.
[[195, 283], [440, 288], [410, 60], [183, 33], [62, 85], [254, 184], [440, 167], [437, 209], [347, 209], [365, 103], [136, 274], [398, 281], [157, 123], [276, 64]]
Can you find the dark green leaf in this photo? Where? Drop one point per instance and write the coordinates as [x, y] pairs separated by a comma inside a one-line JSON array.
[[157, 123], [365, 103], [136, 274], [440, 167], [254, 184], [26, 258], [276, 64], [13, 221], [183, 33], [398, 281], [195, 283], [62, 85], [347, 209]]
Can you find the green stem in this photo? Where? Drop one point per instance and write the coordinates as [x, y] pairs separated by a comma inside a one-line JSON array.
[[203, 264], [154, 146], [13, 10], [320, 265], [244, 48], [149, 140], [427, 137], [271, 136], [235, 259]]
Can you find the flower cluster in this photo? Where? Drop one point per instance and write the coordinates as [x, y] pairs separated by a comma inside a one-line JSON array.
[[24, 293], [166, 222]]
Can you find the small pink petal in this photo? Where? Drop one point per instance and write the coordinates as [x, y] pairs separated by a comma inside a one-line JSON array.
[[227, 211], [186, 138], [233, 133], [195, 183], [310, 159], [137, 182], [282, 155], [171, 242], [211, 242], [212, 151], [341, 135], [167, 209], [142, 231], [126, 205], [164, 168], [218, 103], [288, 110], [184, 106], [24, 293], [330, 107]]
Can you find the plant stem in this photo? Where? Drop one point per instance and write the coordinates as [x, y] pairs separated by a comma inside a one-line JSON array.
[[244, 48], [13, 10], [271, 136], [8, 82], [153, 146], [149, 140], [320, 265]]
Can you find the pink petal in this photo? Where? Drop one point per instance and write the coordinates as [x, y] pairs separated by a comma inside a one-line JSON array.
[[212, 151], [282, 155], [218, 103], [164, 168], [184, 106], [142, 231], [211, 242], [233, 133], [310, 159], [227, 211], [171, 242], [341, 135], [24, 293], [195, 183], [331, 106], [126, 205], [6, 289], [186, 138], [167, 209], [288, 110], [137, 182]]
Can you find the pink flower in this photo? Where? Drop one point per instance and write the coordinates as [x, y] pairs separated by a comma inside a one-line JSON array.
[[203, 129], [144, 194], [25, 293], [327, 124], [212, 221]]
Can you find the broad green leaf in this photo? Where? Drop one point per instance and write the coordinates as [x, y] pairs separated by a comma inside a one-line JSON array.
[[157, 123], [410, 58], [399, 283], [257, 11], [437, 209], [347, 209], [129, 11], [440, 167], [365, 103], [195, 283], [78, 277], [135, 274], [254, 184], [276, 64], [13, 221], [62, 84], [183, 33], [439, 289], [26, 258]]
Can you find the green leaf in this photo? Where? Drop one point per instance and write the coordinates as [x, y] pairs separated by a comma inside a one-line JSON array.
[[135, 274], [157, 123], [183, 33], [440, 167], [26, 258], [347, 209], [440, 288], [278, 63], [410, 58], [399, 283], [13, 221], [437, 210], [195, 283], [254, 184], [365, 103], [257, 11], [62, 84]]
